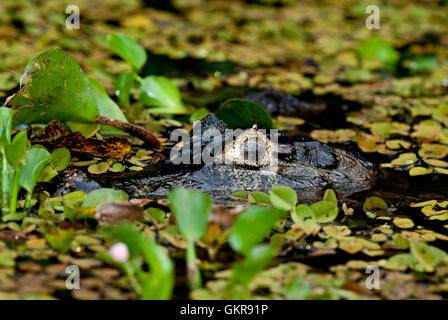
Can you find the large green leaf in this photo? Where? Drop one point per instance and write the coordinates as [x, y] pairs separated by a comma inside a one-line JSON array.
[[128, 49], [191, 209], [242, 113], [54, 88]]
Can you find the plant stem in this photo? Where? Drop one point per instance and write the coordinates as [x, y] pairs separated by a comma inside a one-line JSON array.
[[14, 192], [4, 183], [193, 274], [134, 283], [28, 199]]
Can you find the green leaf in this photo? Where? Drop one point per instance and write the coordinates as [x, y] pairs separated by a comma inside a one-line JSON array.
[[47, 174], [251, 227], [199, 114], [128, 49], [61, 239], [400, 262], [158, 285], [303, 215], [123, 85], [259, 197], [160, 93], [15, 216], [373, 203], [16, 150], [242, 113], [283, 198], [423, 64], [191, 209], [427, 255], [35, 161], [54, 88], [106, 106], [375, 51], [104, 195], [127, 234], [60, 159], [257, 258], [325, 211], [6, 115], [330, 195]]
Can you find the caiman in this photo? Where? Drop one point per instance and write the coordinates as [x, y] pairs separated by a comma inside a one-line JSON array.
[[306, 166]]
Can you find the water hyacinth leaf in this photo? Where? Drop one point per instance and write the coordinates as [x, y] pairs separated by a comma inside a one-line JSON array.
[[427, 255], [104, 195], [251, 227], [259, 197], [60, 159], [283, 198], [325, 211], [376, 52], [374, 203], [330, 195], [242, 113], [257, 259], [60, 240], [54, 87], [98, 168], [35, 161], [420, 171], [422, 64], [128, 49], [127, 234], [106, 106], [428, 150], [405, 159], [404, 223], [123, 85], [441, 217], [240, 194], [303, 215], [6, 115], [47, 174], [400, 262], [428, 130], [336, 231], [191, 209], [436, 163], [161, 95], [159, 284], [16, 150], [441, 170]]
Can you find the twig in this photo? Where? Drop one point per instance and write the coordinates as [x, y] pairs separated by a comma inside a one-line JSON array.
[[132, 129]]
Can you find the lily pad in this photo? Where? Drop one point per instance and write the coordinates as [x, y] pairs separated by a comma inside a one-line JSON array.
[[242, 113]]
